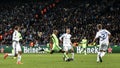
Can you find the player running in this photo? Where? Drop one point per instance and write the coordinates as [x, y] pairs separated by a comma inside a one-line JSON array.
[[67, 45], [103, 36], [16, 45], [54, 43]]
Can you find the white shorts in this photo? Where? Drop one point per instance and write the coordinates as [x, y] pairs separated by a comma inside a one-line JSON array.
[[16, 47], [103, 47], [67, 48]]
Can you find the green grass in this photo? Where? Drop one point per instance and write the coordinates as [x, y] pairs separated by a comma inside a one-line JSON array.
[[55, 61]]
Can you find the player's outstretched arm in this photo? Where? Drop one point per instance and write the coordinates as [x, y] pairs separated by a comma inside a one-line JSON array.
[[93, 41]]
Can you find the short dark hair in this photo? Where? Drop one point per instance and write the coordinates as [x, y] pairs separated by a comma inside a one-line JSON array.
[[55, 31], [99, 26], [16, 27]]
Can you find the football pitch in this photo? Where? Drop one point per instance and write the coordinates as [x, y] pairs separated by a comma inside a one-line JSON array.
[[55, 61]]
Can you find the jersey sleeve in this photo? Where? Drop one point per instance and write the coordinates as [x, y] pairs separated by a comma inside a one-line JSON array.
[[97, 35], [108, 32], [60, 38], [70, 38]]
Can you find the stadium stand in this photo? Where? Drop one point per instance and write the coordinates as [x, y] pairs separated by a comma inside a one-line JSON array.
[[38, 18]]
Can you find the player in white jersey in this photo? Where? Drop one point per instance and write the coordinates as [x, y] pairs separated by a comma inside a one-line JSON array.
[[103, 36], [67, 45], [16, 45]]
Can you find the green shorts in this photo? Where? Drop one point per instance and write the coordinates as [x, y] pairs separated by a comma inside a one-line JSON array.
[[56, 48], [83, 45]]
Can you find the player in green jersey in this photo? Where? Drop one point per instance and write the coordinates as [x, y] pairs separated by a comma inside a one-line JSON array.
[[84, 45], [54, 46]]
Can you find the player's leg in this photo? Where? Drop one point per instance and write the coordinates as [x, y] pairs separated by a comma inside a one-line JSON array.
[[105, 47], [56, 48], [19, 53], [66, 58], [100, 53], [60, 49], [48, 49], [11, 54], [100, 57], [53, 49], [85, 51], [19, 57], [98, 60], [8, 54], [65, 55], [72, 52], [81, 50]]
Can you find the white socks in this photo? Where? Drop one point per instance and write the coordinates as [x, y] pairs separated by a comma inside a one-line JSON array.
[[98, 56], [72, 55], [101, 54], [19, 58], [66, 56], [11, 54]]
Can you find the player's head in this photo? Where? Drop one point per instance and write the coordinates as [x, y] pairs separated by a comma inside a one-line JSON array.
[[55, 32], [99, 26], [84, 37], [68, 30], [17, 28]]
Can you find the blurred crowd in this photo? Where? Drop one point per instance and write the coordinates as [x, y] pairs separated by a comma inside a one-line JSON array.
[[80, 16]]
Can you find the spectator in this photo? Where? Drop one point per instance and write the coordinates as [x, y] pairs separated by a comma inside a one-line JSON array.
[[80, 17]]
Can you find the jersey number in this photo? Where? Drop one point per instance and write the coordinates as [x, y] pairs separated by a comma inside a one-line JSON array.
[[103, 36]]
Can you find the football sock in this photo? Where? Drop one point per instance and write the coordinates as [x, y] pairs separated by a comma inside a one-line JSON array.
[[19, 58], [103, 53], [85, 51], [66, 56], [98, 56], [72, 55], [10, 54]]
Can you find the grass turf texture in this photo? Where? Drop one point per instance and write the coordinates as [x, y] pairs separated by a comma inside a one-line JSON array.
[[56, 61]]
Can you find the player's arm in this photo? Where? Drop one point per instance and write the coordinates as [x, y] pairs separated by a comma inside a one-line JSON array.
[[61, 37], [70, 41], [81, 42], [94, 40], [109, 34], [96, 37]]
